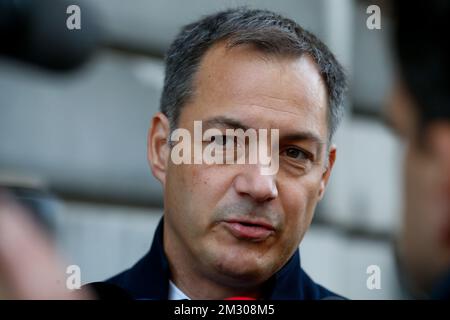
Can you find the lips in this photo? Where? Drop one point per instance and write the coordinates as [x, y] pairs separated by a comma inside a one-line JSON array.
[[248, 229]]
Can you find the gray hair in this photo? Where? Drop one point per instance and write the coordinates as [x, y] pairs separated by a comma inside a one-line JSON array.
[[268, 32]]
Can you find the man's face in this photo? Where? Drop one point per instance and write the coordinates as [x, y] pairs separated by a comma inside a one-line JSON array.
[[423, 219], [232, 223]]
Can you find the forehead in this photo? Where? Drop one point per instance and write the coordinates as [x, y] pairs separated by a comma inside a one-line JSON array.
[[266, 91]]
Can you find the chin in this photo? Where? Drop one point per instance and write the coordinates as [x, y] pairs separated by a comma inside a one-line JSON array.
[[243, 269]]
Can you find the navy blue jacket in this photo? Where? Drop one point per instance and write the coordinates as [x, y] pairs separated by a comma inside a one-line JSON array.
[[149, 278], [442, 288]]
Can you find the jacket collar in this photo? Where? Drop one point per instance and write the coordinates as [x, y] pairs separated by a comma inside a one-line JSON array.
[[441, 290], [149, 277]]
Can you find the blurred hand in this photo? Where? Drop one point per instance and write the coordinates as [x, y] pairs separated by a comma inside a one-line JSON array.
[[29, 265]]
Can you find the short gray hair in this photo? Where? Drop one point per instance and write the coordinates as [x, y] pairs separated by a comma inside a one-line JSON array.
[[268, 32]]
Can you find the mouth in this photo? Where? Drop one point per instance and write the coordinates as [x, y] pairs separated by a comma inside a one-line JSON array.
[[249, 229]]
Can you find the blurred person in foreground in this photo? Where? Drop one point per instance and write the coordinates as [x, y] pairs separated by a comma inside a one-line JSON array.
[[30, 267], [419, 111]]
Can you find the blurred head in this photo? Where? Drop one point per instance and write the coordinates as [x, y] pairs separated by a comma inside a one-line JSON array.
[[420, 112], [245, 69]]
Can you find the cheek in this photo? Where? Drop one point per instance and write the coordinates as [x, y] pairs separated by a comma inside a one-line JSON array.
[[208, 183], [299, 195], [176, 194], [299, 199], [205, 186]]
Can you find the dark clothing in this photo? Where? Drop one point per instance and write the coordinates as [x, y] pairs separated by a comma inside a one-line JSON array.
[[442, 288], [149, 278]]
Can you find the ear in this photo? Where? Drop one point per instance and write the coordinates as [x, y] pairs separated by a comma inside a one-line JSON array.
[[158, 149], [329, 166], [439, 138]]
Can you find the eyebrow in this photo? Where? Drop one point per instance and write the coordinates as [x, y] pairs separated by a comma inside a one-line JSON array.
[[227, 122], [304, 136]]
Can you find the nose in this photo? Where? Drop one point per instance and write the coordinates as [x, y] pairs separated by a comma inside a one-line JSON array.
[[250, 182]]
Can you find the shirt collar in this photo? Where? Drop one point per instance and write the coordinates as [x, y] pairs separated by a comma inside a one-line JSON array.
[[149, 277], [175, 293]]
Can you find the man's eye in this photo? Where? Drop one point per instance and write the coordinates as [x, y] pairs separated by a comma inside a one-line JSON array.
[[296, 154], [223, 140]]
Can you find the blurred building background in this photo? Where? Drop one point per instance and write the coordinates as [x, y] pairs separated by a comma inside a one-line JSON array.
[[83, 136]]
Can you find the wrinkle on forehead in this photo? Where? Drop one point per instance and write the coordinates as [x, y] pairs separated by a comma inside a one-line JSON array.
[[281, 119], [239, 81], [241, 75], [275, 109], [290, 106]]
